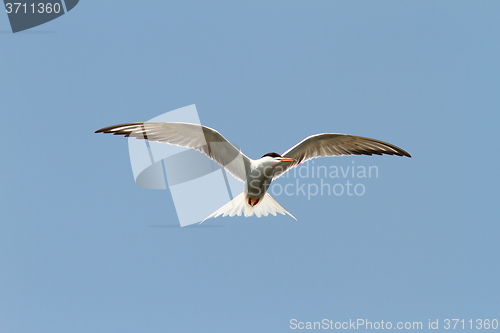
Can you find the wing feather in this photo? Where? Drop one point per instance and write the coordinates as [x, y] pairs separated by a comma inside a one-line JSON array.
[[333, 144], [201, 138]]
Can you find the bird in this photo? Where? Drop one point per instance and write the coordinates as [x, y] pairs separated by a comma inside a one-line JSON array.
[[256, 174]]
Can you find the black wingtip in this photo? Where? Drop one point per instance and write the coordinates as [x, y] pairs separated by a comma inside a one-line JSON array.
[[112, 129], [104, 129], [405, 153]]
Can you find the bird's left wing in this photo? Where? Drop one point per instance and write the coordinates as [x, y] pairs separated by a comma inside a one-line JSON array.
[[332, 144], [201, 138]]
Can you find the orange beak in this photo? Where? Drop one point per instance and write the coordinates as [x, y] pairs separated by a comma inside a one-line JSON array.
[[285, 159]]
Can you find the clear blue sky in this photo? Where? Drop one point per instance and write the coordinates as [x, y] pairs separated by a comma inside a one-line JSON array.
[[83, 249]]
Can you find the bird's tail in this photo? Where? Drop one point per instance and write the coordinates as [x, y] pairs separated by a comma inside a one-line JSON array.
[[239, 206]]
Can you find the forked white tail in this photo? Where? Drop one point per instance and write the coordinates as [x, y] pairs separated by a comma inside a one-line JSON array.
[[239, 206]]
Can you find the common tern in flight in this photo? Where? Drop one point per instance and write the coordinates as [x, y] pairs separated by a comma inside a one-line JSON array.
[[256, 174]]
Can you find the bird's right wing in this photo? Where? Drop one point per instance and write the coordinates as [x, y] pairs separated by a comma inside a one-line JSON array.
[[333, 144], [201, 138]]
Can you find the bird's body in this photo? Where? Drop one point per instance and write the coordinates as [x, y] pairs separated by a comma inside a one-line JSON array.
[[260, 175], [256, 174]]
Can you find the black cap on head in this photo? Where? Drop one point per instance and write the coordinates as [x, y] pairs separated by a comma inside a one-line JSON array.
[[273, 155]]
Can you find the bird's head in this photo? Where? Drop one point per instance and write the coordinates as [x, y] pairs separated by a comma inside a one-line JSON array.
[[278, 158]]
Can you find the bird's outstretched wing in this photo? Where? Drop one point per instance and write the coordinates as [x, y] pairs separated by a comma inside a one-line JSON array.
[[332, 144], [201, 138]]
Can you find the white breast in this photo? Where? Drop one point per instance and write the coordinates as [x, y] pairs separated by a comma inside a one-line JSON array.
[[260, 176]]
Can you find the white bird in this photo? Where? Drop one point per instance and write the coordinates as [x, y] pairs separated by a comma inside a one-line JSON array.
[[256, 174]]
